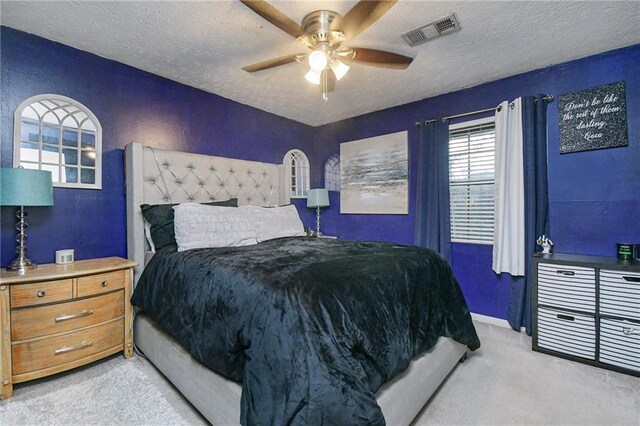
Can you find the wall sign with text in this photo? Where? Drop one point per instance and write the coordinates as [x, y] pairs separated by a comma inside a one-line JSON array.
[[594, 118]]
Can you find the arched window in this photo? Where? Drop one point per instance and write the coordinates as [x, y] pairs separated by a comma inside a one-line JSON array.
[[297, 169], [332, 173], [59, 134]]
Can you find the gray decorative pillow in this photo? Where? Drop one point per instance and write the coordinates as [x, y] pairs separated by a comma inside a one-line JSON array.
[[161, 216]]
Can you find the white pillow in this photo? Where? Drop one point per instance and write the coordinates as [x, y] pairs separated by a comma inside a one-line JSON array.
[[147, 234], [275, 222], [201, 226]]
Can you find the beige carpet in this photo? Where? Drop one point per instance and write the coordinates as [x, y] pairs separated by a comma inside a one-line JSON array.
[[504, 383], [115, 392]]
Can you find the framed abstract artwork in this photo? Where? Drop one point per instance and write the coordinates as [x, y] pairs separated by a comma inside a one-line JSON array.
[[374, 175]]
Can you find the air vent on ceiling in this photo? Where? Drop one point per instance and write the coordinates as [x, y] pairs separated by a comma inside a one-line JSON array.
[[447, 25]]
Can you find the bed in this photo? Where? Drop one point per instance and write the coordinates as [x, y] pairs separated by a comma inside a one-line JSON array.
[[156, 176]]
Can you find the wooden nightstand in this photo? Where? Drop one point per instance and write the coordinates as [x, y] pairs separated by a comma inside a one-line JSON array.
[[58, 317]]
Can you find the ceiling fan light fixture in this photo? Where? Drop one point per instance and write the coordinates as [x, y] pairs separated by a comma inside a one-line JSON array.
[[324, 32], [313, 77], [318, 60], [339, 68]]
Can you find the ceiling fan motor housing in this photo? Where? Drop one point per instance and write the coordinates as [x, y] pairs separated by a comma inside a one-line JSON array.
[[319, 27]]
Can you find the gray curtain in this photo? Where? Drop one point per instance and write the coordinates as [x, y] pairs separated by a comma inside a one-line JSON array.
[[432, 199]]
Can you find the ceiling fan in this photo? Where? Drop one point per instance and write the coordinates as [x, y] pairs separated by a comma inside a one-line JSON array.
[[324, 32]]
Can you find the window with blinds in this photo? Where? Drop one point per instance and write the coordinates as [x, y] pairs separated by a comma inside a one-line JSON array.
[[471, 180]]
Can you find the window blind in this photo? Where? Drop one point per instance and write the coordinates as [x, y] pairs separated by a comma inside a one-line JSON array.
[[471, 182]]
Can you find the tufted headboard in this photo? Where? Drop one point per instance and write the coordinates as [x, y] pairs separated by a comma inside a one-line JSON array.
[[159, 176]]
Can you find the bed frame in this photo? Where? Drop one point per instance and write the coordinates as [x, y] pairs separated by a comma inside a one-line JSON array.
[[157, 176]]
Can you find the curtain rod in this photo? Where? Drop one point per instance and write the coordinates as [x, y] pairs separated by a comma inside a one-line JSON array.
[[547, 98]]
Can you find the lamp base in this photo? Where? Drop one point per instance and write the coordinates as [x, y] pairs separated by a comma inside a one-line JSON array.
[[19, 263], [318, 221]]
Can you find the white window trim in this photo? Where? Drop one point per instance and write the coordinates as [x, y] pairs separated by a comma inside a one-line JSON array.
[[461, 125], [304, 178], [17, 124]]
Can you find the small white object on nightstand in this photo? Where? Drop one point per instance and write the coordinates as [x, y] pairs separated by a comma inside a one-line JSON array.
[[64, 256]]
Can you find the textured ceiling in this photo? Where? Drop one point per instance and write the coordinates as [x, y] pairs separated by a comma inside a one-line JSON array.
[[205, 44]]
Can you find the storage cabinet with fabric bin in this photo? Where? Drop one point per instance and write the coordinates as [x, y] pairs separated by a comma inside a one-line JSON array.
[[587, 309]]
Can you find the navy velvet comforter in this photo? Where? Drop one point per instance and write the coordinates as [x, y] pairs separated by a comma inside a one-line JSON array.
[[311, 327]]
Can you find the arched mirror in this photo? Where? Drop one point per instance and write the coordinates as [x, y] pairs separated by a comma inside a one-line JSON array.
[[297, 169], [332, 173], [61, 135]]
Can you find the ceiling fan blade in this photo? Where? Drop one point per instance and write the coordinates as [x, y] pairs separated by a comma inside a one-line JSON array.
[[362, 15], [274, 16], [377, 58], [272, 63], [330, 80]]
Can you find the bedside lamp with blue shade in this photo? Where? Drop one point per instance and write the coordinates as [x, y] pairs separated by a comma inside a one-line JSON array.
[[317, 198], [24, 188]]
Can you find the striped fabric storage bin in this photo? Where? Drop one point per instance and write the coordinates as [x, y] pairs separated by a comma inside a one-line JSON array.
[[620, 294], [567, 332], [620, 343], [570, 287]]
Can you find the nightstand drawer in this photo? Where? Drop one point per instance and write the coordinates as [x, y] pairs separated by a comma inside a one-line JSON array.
[[567, 332], [620, 294], [40, 293], [620, 343], [44, 320], [50, 352], [569, 287], [100, 283]]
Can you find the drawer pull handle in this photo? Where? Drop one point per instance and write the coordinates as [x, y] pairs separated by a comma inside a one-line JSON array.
[[566, 317], [41, 293], [66, 349], [80, 314], [568, 273], [628, 331], [104, 283], [632, 279]]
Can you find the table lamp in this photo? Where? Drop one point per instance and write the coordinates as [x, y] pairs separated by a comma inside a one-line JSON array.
[[317, 198], [24, 187]]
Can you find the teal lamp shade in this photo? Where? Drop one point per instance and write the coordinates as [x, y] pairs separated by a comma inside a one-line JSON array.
[[318, 198], [25, 187]]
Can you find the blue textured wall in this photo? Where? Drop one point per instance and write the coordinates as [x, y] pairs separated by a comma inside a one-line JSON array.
[[594, 196], [132, 106]]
